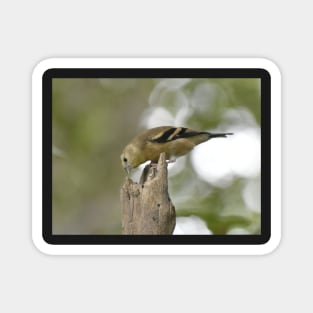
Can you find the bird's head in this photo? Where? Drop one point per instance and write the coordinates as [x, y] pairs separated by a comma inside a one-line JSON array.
[[131, 158]]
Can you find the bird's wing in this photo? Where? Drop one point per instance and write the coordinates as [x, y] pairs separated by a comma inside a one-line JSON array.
[[168, 134]]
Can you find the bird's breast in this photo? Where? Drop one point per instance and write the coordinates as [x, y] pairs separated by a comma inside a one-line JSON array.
[[172, 149]]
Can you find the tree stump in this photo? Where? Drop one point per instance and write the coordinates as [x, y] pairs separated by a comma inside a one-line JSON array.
[[146, 206]]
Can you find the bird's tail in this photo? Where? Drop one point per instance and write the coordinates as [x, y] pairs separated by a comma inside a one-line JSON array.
[[199, 137], [213, 135]]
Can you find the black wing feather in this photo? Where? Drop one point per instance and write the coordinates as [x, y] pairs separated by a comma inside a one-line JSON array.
[[175, 133], [167, 136]]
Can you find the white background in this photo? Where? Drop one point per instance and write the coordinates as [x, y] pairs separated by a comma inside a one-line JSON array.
[[35, 30]]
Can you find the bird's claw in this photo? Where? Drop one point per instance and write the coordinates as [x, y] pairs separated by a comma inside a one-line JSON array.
[[170, 161]]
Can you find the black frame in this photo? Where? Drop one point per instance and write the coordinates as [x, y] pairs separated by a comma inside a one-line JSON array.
[[51, 238]]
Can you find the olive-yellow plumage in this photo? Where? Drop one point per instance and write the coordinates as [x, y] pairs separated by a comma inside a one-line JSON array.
[[174, 141]]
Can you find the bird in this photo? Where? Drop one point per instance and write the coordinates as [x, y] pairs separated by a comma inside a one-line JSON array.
[[174, 141]]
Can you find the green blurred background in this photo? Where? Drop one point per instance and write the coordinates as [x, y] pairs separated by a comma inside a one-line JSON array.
[[215, 189]]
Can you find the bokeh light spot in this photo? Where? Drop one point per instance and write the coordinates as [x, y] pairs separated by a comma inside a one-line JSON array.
[[192, 225]]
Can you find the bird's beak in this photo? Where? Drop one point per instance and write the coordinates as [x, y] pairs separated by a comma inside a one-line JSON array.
[[128, 169]]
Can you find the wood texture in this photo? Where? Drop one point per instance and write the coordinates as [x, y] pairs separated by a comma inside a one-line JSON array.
[[146, 206]]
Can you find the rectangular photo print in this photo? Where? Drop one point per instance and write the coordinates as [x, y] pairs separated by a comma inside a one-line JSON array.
[[149, 157]]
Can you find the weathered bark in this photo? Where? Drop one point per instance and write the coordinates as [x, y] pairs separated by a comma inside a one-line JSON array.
[[146, 207]]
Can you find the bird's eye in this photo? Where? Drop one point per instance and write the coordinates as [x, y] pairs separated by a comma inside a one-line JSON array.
[[125, 160]]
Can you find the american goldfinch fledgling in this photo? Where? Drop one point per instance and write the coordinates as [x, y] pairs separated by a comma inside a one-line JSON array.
[[174, 141]]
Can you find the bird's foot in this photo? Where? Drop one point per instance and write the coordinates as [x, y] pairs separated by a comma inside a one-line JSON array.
[[154, 165], [171, 161]]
